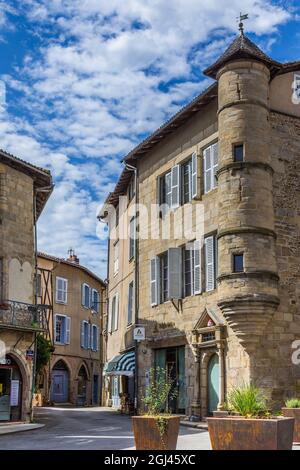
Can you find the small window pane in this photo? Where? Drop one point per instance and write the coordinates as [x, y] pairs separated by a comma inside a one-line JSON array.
[[238, 153], [238, 263]]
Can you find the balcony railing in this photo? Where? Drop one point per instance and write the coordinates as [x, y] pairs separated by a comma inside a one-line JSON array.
[[23, 316]]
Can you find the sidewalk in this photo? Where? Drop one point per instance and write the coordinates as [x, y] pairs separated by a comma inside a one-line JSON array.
[[194, 424], [10, 428]]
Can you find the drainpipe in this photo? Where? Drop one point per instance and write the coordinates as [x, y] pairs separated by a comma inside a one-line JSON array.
[[46, 189], [136, 286], [104, 356]]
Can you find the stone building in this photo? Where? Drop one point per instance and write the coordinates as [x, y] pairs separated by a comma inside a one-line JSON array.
[[78, 297], [221, 306], [119, 371], [24, 190]]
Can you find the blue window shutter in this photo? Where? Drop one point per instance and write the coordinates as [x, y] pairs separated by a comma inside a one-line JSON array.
[[194, 176], [82, 294], [175, 181], [175, 273], [89, 336], [67, 330], [82, 334], [54, 327], [98, 337]]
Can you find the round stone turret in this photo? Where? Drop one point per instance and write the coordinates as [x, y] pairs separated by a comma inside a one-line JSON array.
[[248, 278]]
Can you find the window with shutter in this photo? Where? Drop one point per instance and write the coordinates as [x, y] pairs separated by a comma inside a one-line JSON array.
[[175, 181], [61, 290], [174, 273], [207, 170], [94, 338], [154, 281], [210, 156], [164, 278], [95, 303], [188, 260], [131, 238], [186, 182], [116, 312], [82, 334], [86, 295], [215, 163], [194, 176], [130, 304], [68, 330], [209, 263], [197, 267], [116, 257], [109, 326]]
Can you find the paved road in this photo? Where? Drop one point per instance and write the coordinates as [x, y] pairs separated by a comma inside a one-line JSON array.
[[88, 429]]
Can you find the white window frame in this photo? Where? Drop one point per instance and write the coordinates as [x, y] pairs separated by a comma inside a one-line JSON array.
[[67, 329], [83, 295], [95, 307], [94, 330], [86, 343], [65, 290]]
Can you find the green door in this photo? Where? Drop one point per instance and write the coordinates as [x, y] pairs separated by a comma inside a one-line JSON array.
[[213, 383]]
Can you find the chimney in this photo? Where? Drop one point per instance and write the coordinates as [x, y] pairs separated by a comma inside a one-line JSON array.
[[72, 256]]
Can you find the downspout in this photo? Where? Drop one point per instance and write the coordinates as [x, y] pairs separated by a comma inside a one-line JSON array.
[[104, 350], [46, 189], [136, 285]]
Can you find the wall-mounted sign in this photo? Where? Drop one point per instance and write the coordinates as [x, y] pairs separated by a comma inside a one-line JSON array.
[[30, 354], [14, 392], [139, 333], [5, 361]]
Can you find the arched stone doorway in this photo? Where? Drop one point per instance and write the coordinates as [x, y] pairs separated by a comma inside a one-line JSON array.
[[60, 383], [82, 386], [11, 390], [213, 384]]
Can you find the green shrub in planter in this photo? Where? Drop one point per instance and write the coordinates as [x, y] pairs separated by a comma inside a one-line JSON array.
[[248, 401], [292, 403]]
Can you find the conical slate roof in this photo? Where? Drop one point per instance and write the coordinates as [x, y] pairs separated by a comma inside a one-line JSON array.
[[242, 48]]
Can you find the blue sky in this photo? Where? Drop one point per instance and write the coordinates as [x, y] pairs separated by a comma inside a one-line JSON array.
[[86, 80]]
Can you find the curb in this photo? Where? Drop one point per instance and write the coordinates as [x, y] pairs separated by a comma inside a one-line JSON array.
[[191, 425], [11, 429]]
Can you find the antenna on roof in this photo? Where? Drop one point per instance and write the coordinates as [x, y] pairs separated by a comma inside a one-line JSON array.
[[241, 24]]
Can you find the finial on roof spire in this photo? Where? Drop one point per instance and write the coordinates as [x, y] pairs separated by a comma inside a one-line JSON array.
[[241, 24]]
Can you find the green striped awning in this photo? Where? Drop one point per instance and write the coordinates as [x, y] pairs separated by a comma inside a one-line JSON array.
[[123, 364]]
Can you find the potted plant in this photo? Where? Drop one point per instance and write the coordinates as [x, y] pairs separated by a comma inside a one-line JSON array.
[[292, 409], [255, 428], [157, 429]]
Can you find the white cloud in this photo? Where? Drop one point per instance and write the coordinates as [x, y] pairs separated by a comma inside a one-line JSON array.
[[95, 87]]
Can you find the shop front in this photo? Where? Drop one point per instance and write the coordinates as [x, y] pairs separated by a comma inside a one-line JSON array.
[[10, 390], [119, 375], [172, 360]]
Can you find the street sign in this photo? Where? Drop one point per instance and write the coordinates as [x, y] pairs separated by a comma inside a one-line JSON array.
[[139, 333], [30, 354]]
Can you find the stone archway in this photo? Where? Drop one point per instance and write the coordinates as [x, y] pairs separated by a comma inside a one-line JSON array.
[[82, 385], [21, 373], [60, 382]]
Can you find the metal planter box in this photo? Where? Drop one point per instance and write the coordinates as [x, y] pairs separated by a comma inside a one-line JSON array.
[[294, 413], [147, 435], [251, 434]]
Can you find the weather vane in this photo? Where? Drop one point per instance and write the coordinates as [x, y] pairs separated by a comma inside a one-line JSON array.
[[241, 24]]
